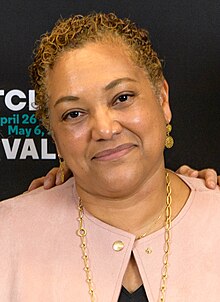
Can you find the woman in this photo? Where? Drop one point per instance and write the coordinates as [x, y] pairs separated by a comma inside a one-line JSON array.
[[124, 226]]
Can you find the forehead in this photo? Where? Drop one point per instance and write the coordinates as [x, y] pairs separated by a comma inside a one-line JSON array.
[[91, 67]]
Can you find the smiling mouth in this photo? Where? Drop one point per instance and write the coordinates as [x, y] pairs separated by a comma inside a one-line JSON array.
[[115, 153]]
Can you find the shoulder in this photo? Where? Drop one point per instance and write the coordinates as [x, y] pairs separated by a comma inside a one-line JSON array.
[[36, 203], [203, 199], [198, 184], [201, 210], [38, 194]]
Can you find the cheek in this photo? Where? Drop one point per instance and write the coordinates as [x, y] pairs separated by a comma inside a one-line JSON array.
[[70, 142], [149, 125], [140, 120]]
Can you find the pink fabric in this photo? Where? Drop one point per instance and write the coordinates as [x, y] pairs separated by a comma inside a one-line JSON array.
[[40, 255]]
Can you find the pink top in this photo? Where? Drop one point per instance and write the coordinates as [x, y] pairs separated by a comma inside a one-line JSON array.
[[40, 255]]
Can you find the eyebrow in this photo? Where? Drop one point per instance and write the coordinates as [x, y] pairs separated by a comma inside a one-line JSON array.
[[111, 85], [117, 82], [68, 98]]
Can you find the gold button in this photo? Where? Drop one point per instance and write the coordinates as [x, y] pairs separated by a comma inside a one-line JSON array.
[[118, 246], [148, 250]]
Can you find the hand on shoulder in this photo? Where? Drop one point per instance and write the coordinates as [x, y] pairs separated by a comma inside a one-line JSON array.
[[52, 179], [209, 175]]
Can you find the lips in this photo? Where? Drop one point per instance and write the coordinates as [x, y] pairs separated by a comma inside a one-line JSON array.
[[114, 153]]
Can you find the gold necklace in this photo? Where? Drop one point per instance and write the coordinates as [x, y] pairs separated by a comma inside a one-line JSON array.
[[150, 227], [81, 232]]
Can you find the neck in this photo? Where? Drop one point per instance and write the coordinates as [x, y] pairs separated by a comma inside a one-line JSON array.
[[141, 207]]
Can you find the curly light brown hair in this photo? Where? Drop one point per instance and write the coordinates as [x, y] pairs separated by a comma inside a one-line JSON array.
[[78, 30]]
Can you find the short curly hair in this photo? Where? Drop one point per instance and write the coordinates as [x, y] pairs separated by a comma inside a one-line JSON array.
[[74, 32]]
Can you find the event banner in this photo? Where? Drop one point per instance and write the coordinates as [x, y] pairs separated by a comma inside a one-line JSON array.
[[20, 130], [26, 148]]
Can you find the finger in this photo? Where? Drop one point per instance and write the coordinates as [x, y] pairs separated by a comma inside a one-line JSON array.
[[210, 177], [36, 183], [50, 178], [67, 174], [58, 180], [187, 171]]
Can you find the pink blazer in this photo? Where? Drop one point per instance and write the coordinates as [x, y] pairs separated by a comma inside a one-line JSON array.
[[40, 255]]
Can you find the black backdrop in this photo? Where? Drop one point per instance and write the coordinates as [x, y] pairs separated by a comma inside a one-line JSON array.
[[186, 35]]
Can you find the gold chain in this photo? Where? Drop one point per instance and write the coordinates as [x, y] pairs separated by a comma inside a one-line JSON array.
[[81, 232], [151, 225], [167, 234]]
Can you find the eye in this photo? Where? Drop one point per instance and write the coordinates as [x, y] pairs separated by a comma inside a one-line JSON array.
[[123, 98], [72, 115]]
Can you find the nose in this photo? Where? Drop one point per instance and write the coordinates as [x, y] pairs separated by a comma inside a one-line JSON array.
[[105, 125]]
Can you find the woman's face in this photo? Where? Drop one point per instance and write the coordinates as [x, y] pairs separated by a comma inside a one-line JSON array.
[[106, 121]]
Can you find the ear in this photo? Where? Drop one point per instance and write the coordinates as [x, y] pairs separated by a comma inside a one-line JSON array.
[[164, 101]]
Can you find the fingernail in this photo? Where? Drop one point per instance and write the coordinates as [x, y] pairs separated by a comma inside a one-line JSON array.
[[58, 178], [46, 182], [194, 173], [211, 184]]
